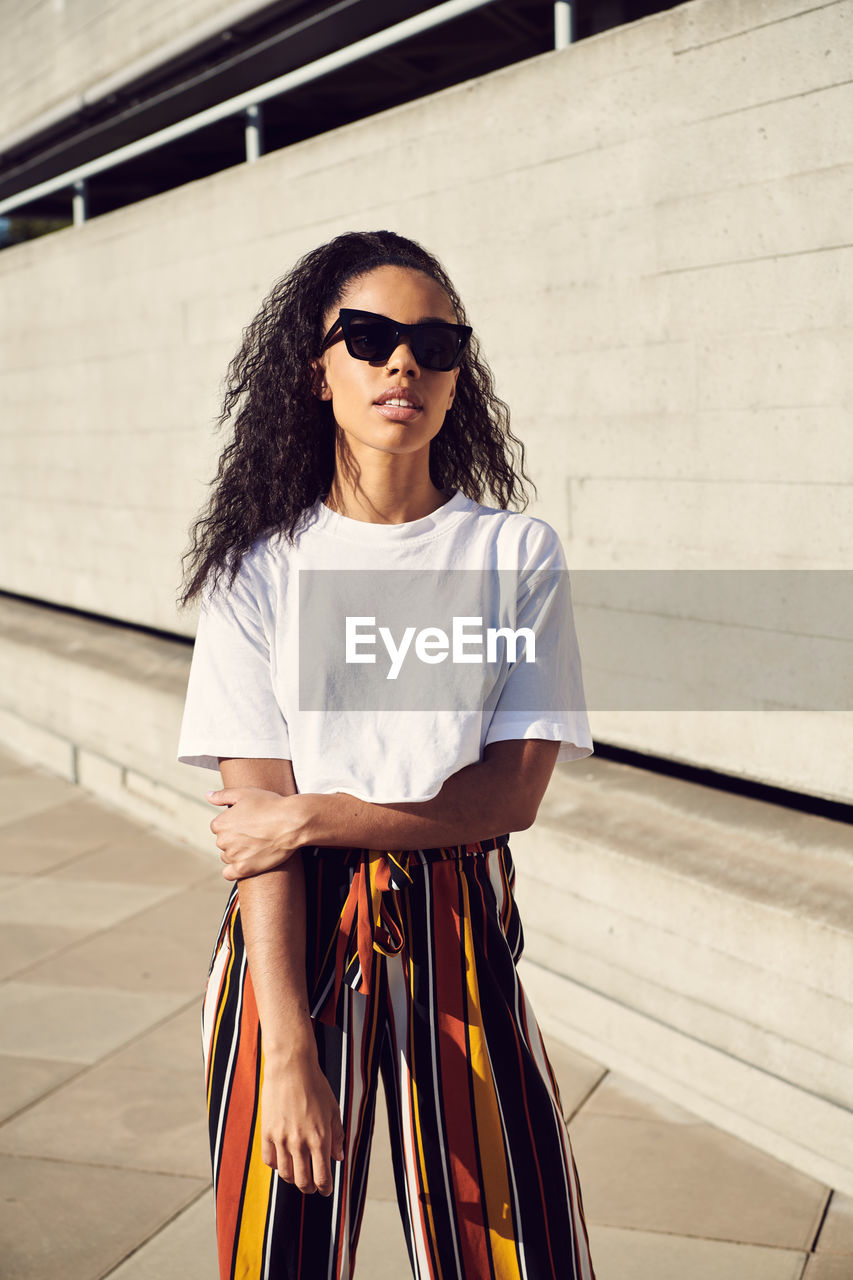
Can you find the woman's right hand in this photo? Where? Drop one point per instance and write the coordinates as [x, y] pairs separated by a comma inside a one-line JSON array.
[[256, 829], [301, 1129]]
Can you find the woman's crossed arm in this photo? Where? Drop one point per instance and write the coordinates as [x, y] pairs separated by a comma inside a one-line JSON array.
[[501, 793]]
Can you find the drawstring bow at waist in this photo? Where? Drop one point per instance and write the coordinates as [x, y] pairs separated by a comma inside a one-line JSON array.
[[371, 919]]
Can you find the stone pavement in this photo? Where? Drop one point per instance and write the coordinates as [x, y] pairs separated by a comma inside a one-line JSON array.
[[107, 929]]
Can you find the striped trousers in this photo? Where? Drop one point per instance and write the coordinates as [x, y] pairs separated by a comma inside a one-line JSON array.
[[411, 965]]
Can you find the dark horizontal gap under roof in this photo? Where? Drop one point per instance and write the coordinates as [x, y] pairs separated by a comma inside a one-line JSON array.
[[475, 44], [468, 46]]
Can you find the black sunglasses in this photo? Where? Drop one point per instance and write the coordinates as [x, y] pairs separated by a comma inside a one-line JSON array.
[[435, 344]]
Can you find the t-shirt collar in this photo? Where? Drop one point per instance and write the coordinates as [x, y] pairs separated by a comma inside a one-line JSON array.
[[323, 518]]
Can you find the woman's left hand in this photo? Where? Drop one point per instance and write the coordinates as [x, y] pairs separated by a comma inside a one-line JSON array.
[[258, 830]]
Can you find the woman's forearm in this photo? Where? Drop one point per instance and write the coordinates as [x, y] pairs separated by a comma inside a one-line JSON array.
[[446, 819], [499, 794], [301, 1129], [272, 910]]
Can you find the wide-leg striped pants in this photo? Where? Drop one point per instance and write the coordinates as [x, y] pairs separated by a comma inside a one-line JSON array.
[[411, 967]]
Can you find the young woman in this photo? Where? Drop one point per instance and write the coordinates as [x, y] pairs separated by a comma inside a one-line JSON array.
[[372, 927]]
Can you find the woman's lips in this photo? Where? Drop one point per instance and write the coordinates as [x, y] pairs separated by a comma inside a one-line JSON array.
[[398, 412], [398, 404]]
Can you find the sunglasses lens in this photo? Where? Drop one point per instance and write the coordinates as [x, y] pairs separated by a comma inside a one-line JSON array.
[[371, 339], [435, 347]]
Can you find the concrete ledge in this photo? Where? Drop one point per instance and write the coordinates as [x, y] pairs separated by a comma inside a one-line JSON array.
[[701, 942], [100, 704], [762, 1109]]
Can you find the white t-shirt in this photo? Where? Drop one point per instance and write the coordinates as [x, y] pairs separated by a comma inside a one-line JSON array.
[[306, 657]]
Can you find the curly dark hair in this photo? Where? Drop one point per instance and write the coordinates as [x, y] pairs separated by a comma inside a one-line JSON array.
[[281, 457]]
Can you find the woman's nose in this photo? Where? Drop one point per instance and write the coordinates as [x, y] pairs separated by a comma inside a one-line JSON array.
[[401, 359]]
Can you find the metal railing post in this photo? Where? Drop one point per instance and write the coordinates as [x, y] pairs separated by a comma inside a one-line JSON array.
[[254, 119], [562, 24], [80, 202]]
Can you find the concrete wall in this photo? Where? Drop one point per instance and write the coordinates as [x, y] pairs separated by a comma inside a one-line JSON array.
[[54, 52], [650, 231]]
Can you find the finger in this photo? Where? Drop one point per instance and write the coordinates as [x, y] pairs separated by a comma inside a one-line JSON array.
[[228, 795], [322, 1168], [268, 1154], [302, 1175], [285, 1166]]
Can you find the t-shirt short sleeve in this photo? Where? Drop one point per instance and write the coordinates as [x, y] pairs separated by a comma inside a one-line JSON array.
[[544, 698], [231, 707]]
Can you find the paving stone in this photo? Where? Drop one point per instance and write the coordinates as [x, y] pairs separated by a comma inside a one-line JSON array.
[[76, 1221], [78, 824], [80, 904], [122, 957], [133, 1118], [184, 1250], [22, 945], [33, 858], [836, 1234], [618, 1095], [76, 1024], [691, 1180], [22, 1080], [828, 1266], [175, 1044], [382, 1253], [45, 840], [142, 858], [576, 1074], [28, 792], [380, 1176], [194, 914], [619, 1254], [10, 763]]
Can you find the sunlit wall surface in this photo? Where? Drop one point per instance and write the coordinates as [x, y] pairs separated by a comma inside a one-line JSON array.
[[650, 232]]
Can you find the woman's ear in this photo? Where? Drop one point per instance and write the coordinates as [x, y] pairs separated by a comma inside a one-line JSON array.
[[319, 386], [452, 395]]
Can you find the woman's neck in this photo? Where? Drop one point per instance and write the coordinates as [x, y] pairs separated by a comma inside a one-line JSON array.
[[383, 499], [398, 508]]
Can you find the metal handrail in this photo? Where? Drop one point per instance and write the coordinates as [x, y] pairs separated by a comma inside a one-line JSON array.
[[251, 99]]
